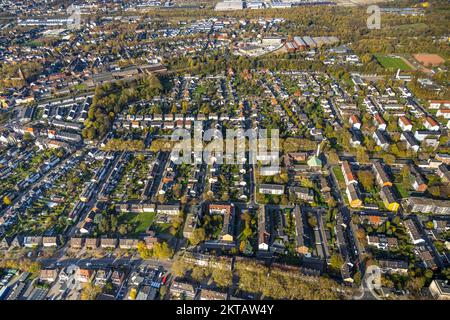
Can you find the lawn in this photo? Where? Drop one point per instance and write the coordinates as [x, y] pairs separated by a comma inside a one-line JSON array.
[[339, 176], [142, 220], [393, 63], [401, 190]]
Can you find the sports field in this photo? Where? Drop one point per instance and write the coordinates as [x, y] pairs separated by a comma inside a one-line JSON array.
[[429, 59], [394, 63]]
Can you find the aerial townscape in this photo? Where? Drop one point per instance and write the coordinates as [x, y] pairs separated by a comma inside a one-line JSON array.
[[96, 205]]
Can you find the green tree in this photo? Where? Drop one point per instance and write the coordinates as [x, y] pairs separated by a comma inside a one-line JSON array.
[[367, 179], [336, 262], [223, 278], [162, 251], [179, 268], [198, 235], [90, 291], [199, 274]]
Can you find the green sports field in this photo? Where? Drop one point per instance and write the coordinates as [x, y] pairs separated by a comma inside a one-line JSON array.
[[392, 63]]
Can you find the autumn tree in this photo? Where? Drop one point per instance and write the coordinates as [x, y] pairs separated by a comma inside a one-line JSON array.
[[223, 278], [162, 251], [90, 291], [143, 251], [198, 235], [366, 178], [6, 201]]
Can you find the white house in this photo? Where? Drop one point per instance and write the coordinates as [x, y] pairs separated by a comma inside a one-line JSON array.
[[404, 123]]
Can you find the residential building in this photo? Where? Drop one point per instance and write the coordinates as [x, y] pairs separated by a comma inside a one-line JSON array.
[[427, 205], [418, 181], [443, 173], [49, 242], [168, 209], [32, 242], [227, 212], [349, 176], [413, 232], [404, 123], [263, 229], [127, 244], [440, 289], [389, 199], [411, 142], [273, 189], [393, 266], [206, 294], [108, 243], [189, 225], [381, 175], [381, 139], [48, 275], [91, 243], [76, 243], [353, 196], [355, 122], [302, 193], [179, 289], [431, 124], [84, 275]]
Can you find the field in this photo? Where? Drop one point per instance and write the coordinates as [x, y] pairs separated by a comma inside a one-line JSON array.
[[339, 176], [394, 63], [429, 59], [141, 221]]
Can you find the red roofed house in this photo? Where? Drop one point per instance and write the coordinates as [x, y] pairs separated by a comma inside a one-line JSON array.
[[349, 176], [431, 124], [443, 113], [404, 123], [355, 122], [379, 121], [436, 104]]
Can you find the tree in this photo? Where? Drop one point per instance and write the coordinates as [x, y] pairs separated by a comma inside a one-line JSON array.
[[199, 274], [6, 201], [179, 268], [114, 223], [223, 278], [34, 268], [162, 292], [133, 294], [357, 278], [331, 202], [336, 262], [312, 221], [162, 251], [143, 251], [198, 235], [362, 156], [367, 179], [446, 273], [389, 158], [415, 284], [406, 174], [90, 291]]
